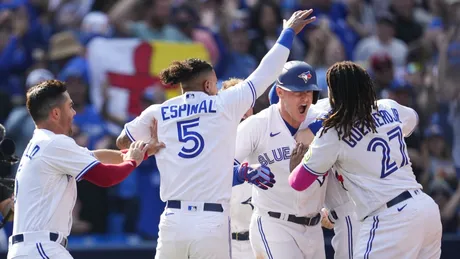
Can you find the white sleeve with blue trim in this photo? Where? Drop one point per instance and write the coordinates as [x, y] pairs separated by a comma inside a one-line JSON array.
[[139, 128], [68, 158], [407, 116], [409, 119], [247, 138], [322, 153]]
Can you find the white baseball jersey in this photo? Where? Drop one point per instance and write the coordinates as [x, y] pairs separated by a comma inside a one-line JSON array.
[[199, 132], [241, 207], [45, 188], [336, 194], [265, 139], [375, 166]]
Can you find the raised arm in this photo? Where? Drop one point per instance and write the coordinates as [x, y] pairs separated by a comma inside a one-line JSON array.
[[272, 63], [237, 100]]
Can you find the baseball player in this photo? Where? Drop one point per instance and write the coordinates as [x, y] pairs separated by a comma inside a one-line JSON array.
[[339, 213], [45, 186], [240, 205], [199, 131], [364, 141], [285, 224]]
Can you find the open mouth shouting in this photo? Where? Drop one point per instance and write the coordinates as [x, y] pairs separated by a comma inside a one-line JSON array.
[[303, 109]]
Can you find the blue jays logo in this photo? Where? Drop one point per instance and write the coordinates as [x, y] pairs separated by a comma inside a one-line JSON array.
[[305, 76]]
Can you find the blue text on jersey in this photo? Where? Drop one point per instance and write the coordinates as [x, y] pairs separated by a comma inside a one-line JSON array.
[[184, 110], [382, 117], [276, 155]]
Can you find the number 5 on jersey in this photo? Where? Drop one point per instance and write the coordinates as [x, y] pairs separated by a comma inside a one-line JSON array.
[[186, 133]]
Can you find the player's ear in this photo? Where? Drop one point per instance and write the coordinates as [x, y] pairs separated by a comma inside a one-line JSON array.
[[55, 113], [279, 91], [207, 86]]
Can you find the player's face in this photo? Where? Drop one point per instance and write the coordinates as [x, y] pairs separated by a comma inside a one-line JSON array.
[[66, 115], [295, 104], [210, 83]]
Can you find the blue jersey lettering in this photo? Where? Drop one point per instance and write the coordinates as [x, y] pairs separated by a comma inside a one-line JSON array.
[[275, 155], [185, 110]]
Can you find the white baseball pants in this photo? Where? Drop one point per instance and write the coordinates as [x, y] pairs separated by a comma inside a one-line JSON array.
[[193, 233], [38, 250], [346, 229], [273, 238], [408, 230], [242, 250]]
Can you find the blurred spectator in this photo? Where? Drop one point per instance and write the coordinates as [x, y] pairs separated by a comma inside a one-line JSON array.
[[151, 206], [383, 72], [266, 22], [64, 47], [69, 13], [448, 78], [239, 62], [15, 52], [335, 11], [187, 19], [324, 49], [154, 26], [407, 28], [439, 168], [87, 119], [19, 124], [361, 17], [448, 203], [95, 24], [384, 40], [214, 14]]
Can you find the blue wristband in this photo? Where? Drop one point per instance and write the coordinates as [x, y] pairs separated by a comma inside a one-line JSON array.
[[286, 38]]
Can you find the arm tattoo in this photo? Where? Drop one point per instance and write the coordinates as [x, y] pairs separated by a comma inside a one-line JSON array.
[[123, 141]]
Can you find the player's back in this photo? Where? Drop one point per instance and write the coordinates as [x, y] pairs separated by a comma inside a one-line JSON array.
[[199, 132], [377, 165]]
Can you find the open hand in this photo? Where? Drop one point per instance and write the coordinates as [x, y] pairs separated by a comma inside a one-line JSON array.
[[299, 20], [297, 154], [136, 152], [154, 144]]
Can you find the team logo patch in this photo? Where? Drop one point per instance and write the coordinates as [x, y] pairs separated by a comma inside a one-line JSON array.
[[305, 76]]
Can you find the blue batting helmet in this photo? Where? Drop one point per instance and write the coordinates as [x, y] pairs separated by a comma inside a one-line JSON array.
[[297, 76]]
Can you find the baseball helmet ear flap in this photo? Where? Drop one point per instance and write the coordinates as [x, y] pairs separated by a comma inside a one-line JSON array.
[[315, 96], [272, 95]]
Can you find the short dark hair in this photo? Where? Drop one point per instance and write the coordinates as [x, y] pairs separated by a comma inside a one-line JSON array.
[[184, 71], [44, 97], [352, 98]]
